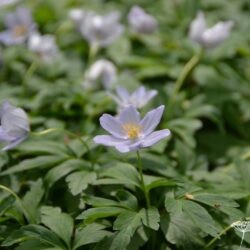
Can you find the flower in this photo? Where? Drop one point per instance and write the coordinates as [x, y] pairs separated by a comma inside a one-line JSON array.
[[140, 21], [14, 126], [129, 132], [139, 98], [98, 30], [104, 70], [209, 37], [44, 45], [19, 26]]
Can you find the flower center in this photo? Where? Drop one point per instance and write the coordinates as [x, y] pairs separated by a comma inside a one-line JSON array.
[[20, 30], [132, 130]]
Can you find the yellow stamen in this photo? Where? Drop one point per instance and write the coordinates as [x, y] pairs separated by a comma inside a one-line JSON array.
[[20, 30], [132, 130]]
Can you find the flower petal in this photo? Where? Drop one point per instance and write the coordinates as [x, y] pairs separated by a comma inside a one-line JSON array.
[[112, 125], [107, 140], [155, 137], [128, 146], [151, 120], [129, 115], [123, 94], [15, 142], [197, 27]]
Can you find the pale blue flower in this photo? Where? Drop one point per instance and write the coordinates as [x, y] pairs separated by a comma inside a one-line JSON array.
[[97, 30], [44, 46], [14, 126], [129, 132], [139, 98], [103, 70], [4, 3], [140, 21], [19, 26], [209, 37]]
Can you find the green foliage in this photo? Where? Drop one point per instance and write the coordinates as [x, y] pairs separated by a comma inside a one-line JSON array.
[[60, 191]]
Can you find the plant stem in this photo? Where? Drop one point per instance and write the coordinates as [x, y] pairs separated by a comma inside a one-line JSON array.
[[142, 179], [188, 68], [93, 50]]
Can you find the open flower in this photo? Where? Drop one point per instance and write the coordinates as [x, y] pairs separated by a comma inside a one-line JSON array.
[[139, 98], [98, 30], [19, 25], [44, 45], [103, 70], [14, 126], [140, 21], [209, 37], [129, 132]]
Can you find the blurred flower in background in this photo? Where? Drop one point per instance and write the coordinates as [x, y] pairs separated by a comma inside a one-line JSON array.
[[98, 30], [209, 37], [4, 3], [140, 21], [44, 46], [138, 99], [14, 125], [19, 26], [129, 132], [102, 70]]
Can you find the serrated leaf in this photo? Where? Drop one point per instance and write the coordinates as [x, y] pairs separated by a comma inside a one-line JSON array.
[[150, 217], [90, 234], [201, 217], [127, 222], [93, 214], [180, 231], [79, 181], [60, 223], [160, 183], [127, 199], [33, 198], [123, 173]]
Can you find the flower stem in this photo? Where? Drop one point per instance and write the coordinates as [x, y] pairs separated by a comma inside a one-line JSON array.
[[142, 179], [93, 50], [188, 68]]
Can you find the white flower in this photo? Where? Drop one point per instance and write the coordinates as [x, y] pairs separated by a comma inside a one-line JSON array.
[[139, 98], [209, 37], [96, 29], [140, 21], [43, 45], [14, 126], [103, 70], [76, 15]]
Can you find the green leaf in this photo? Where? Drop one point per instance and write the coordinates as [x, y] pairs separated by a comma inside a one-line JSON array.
[[32, 200], [180, 231], [127, 223], [93, 214], [36, 245], [62, 170], [43, 147], [127, 199], [123, 173], [60, 223], [200, 217], [34, 232], [79, 181], [160, 183], [151, 218], [90, 234], [37, 162]]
